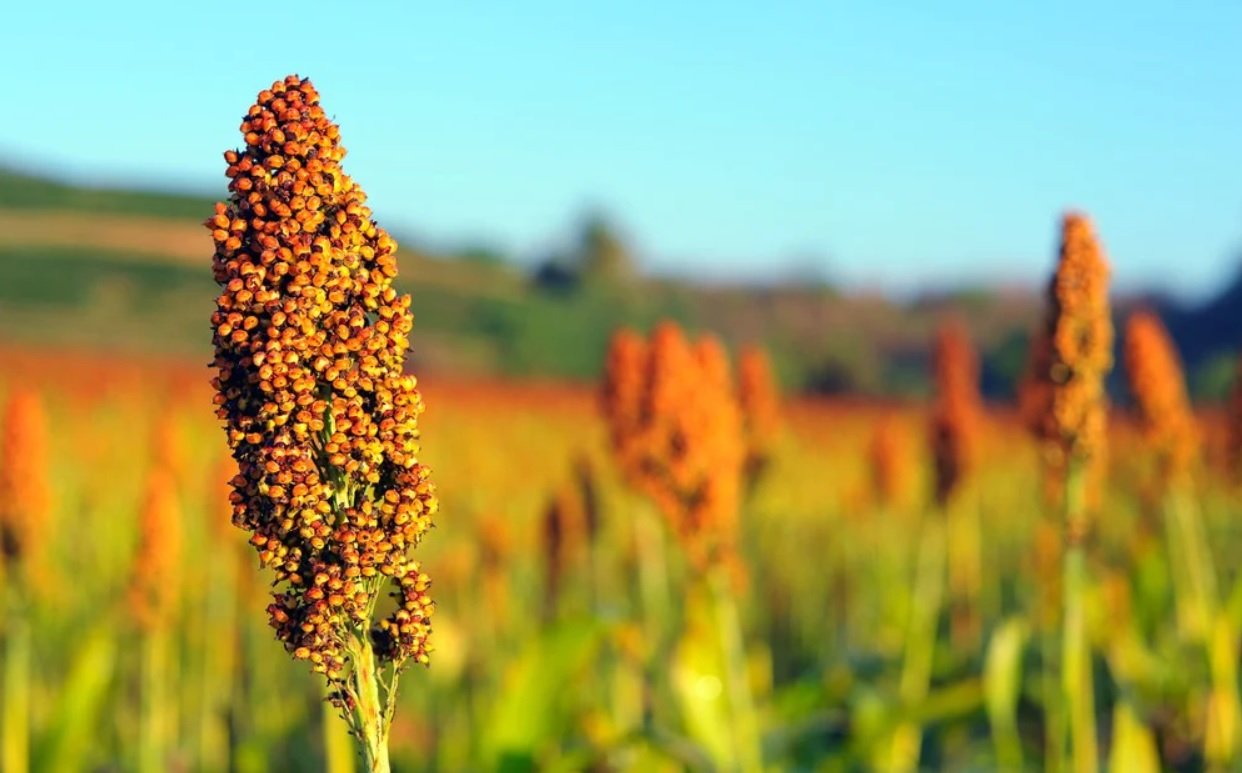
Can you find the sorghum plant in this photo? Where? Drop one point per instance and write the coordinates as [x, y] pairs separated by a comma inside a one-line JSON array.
[[310, 339], [677, 434], [1067, 409], [1154, 372], [957, 408]]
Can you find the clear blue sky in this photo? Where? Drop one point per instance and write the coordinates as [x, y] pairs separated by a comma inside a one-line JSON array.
[[895, 144]]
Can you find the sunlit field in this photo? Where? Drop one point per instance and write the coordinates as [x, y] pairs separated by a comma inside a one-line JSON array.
[[598, 648]]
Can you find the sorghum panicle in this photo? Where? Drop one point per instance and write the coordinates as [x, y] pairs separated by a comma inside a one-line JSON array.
[[1154, 372], [760, 405], [24, 491], [1066, 404], [310, 339], [157, 564], [676, 430], [957, 411]]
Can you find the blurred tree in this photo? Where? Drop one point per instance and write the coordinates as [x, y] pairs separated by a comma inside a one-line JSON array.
[[601, 256]]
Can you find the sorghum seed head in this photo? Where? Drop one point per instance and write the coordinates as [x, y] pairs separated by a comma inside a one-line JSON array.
[[24, 491], [957, 411], [1154, 372], [1065, 401], [676, 431], [310, 340]]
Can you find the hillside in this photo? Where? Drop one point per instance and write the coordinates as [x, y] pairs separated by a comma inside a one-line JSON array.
[[130, 270]]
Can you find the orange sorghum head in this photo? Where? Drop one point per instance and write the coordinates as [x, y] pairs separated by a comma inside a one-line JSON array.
[[676, 431], [311, 339], [1154, 372], [956, 413], [24, 492], [759, 402], [153, 586], [1066, 404], [889, 462]]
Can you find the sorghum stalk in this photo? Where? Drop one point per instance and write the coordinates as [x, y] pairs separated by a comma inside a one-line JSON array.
[[920, 644], [1065, 403], [310, 340], [950, 534], [24, 511], [1154, 372], [1076, 677]]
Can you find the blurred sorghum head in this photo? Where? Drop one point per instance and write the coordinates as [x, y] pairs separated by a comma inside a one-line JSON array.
[[1064, 401], [24, 490], [1154, 372], [676, 431], [956, 413]]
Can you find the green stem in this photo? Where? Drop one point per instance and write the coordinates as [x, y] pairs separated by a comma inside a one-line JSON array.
[[925, 602], [153, 721], [745, 720], [370, 715], [16, 755], [1197, 591], [653, 585], [965, 575], [1054, 710], [1076, 679]]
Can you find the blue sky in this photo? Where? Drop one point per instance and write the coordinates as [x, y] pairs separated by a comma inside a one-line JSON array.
[[886, 144]]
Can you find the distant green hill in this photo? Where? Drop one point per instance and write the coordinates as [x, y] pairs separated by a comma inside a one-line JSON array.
[[23, 191]]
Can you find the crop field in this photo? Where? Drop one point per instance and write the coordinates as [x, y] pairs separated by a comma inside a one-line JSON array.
[[598, 649]]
